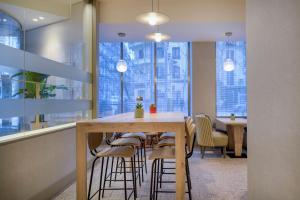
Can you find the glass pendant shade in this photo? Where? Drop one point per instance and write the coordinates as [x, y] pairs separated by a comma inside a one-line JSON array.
[[158, 37], [122, 66], [228, 65], [152, 18]]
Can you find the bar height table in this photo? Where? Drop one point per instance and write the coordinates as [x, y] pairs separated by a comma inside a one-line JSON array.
[[158, 122]]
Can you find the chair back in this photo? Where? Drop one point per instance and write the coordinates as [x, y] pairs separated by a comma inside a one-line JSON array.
[[204, 130], [94, 140], [191, 137]]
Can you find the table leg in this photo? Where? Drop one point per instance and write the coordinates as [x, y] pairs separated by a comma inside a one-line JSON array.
[[81, 166], [238, 134], [180, 163]]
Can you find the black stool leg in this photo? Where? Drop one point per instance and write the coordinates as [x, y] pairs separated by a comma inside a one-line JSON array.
[[107, 160], [142, 164], [152, 180], [145, 156], [125, 181], [116, 170], [139, 172], [111, 170], [91, 178], [133, 177], [188, 181], [157, 178], [101, 172], [161, 171]]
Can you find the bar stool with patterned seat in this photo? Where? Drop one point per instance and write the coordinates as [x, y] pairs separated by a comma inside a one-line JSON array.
[[94, 142]]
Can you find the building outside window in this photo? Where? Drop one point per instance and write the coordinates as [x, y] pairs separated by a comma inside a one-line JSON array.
[[231, 86], [138, 80], [176, 53]]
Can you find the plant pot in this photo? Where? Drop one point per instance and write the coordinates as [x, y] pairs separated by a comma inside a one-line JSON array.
[[139, 113]]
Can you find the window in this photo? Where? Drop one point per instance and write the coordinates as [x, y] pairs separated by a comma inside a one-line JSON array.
[[109, 80], [173, 86], [138, 80], [231, 86], [176, 53]]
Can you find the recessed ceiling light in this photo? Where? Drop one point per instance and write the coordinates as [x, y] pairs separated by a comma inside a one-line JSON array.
[[35, 19], [5, 20], [41, 18]]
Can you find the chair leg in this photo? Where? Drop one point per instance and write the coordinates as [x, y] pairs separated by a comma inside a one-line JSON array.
[[152, 180], [116, 170], [188, 180], [142, 161], [107, 160], [224, 152], [145, 156], [111, 170], [188, 172], [157, 178], [91, 178], [161, 171], [133, 177], [203, 152], [139, 168], [125, 181], [100, 184]]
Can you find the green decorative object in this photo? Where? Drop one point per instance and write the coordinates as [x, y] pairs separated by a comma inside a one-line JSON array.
[[139, 111]]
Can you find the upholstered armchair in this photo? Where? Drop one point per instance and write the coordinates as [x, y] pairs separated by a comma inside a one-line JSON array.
[[207, 137]]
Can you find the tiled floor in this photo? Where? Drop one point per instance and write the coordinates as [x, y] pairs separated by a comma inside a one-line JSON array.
[[213, 178]]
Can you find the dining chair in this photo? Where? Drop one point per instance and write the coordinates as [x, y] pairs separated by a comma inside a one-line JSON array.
[[207, 137]]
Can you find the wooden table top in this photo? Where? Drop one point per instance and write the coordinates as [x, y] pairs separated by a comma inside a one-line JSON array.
[[164, 117], [237, 121]]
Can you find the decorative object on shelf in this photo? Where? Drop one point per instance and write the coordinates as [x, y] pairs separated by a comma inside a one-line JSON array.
[[139, 110], [232, 116], [152, 108], [153, 18], [121, 65], [228, 64], [36, 87]]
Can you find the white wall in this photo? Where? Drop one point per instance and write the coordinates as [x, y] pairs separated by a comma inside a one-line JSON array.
[[273, 30], [204, 78], [37, 168]]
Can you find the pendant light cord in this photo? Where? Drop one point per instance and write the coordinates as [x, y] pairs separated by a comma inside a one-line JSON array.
[[152, 5]]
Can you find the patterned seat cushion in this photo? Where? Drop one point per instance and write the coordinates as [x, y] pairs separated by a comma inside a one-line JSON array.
[[141, 136], [126, 142], [163, 153], [220, 139], [123, 151], [167, 135], [166, 142]]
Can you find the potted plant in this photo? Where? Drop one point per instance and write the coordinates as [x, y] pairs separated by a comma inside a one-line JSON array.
[[139, 111], [36, 87]]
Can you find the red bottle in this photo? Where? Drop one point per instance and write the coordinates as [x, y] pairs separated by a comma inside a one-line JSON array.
[[152, 108]]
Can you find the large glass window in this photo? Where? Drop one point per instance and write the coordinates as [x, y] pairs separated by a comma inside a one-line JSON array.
[[232, 85], [171, 76], [109, 80], [139, 78]]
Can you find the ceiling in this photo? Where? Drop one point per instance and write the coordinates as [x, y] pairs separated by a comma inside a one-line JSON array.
[[190, 20]]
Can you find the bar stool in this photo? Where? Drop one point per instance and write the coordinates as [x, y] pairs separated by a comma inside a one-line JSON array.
[[168, 152], [142, 137], [136, 143], [94, 141]]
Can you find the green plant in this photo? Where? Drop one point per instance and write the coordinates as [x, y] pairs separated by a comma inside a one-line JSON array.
[[32, 80], [139, 106]]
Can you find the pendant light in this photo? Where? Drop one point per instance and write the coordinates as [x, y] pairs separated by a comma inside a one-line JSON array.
[[228, 64], [153, 18], [121, 65], [158, 36]]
